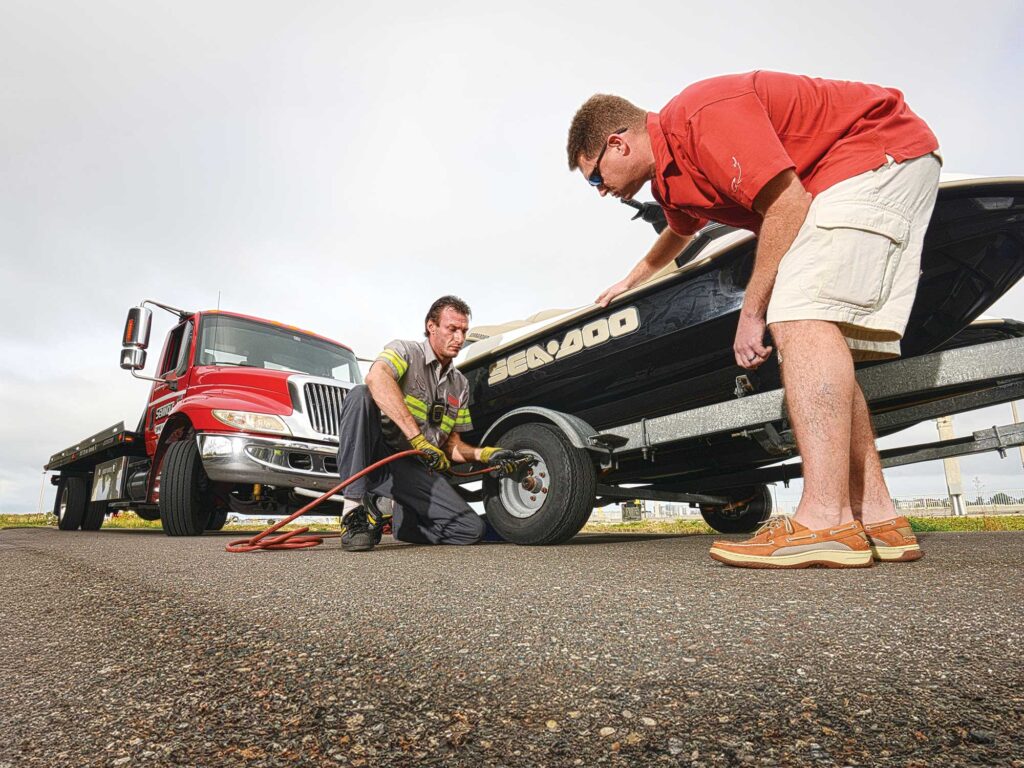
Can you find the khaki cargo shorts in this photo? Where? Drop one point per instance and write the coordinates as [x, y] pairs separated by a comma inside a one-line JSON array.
[[857, 258]]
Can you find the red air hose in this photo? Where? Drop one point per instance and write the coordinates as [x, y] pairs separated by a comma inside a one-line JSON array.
[[295, 539]]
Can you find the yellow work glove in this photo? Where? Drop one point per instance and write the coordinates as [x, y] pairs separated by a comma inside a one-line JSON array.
[[487, 451], [434, 457], [503, 458]]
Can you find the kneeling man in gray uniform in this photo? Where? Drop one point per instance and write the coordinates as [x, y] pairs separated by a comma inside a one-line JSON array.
[[413, 398]]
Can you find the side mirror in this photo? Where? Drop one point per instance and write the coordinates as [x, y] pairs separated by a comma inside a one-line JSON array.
[[133, 359], [136, 333]]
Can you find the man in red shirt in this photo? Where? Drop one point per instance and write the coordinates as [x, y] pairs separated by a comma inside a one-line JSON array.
[[838, 179]]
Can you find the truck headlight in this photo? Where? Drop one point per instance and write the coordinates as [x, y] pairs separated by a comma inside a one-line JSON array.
[[252, 422]]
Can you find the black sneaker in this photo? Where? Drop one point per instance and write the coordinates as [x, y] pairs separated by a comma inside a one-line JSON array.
[[376, 516], [357, 535]]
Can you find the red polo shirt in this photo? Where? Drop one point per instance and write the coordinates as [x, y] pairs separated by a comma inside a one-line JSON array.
[[721, 140]]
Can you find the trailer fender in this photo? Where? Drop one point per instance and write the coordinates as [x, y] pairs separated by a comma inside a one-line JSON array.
[[575, 429]]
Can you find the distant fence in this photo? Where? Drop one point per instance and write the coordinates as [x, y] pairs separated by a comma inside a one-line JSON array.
[[976, 503], [1009, 502]]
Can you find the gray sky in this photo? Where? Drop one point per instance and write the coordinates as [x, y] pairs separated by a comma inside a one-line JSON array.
[[337, 166]]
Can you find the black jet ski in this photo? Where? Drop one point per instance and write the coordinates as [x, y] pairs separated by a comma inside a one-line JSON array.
[[666, 346]]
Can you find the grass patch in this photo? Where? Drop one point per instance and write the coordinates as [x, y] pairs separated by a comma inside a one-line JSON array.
[[129, 520], [687, 527], [973, 523], [27, 521]]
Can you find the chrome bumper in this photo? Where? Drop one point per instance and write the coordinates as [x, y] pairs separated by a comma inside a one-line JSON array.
[[237, 458]]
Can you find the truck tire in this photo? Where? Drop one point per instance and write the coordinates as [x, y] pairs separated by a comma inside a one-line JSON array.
[[752, 506], [95, 511], [558, 508], [217, 520], [72, 499], [185, 498]]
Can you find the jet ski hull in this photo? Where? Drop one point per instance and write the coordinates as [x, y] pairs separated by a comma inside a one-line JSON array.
[[667, 347]]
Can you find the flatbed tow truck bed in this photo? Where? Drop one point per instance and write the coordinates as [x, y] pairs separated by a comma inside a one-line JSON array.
[[110, 443]]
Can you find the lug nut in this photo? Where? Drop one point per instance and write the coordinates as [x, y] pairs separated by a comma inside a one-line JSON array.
[[531, 484], [533, 498], [543, 490]]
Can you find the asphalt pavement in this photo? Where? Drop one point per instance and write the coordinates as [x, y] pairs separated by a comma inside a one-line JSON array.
[[125, 648]]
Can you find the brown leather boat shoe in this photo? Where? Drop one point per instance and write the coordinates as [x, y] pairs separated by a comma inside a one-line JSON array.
[[784, 543]]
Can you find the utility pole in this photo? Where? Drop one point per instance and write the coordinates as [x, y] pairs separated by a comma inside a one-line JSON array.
[[952, 468], [1016, 420]]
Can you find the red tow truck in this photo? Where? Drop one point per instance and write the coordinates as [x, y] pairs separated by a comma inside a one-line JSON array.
[[242, 417]]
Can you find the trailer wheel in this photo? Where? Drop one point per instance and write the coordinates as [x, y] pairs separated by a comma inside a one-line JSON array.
[[217, 520], [71, 501], [562, 496], [751, 507], [95, 511], [185, 498]]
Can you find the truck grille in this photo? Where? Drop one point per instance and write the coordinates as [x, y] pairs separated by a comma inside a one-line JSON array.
[[323, 404]]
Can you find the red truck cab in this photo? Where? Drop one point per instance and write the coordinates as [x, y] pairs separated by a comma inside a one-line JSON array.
[[242, 416]]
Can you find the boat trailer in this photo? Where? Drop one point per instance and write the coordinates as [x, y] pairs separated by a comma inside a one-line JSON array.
[[937, 384]]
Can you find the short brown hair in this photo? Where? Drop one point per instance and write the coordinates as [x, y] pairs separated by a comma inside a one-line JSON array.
[[601, 115], [434, 313]]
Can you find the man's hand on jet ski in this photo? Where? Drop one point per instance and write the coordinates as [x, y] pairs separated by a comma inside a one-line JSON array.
[[665, 249], [612, 291], [749, 346]]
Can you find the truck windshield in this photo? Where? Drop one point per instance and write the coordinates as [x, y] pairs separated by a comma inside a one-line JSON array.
[[225, 340]]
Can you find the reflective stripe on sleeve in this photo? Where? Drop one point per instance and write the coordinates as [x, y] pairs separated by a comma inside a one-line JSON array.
[[400, 365], [416, 407]]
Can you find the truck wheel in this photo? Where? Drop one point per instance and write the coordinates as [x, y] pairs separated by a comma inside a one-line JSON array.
[[94, 514], [71, 501], [185, 498], [553, 503], [217, 519], [750, 507]]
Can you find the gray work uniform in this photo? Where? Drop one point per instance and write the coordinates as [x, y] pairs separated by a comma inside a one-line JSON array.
[[438, 400], [427, 508]]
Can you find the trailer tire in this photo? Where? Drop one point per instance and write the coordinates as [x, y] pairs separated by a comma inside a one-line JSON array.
[[561, 508], [72, 499], [185, 498], [752, 506], [217, 520], [95, 511]]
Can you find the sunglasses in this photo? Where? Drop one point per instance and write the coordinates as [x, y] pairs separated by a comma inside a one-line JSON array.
[[595, 179]]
